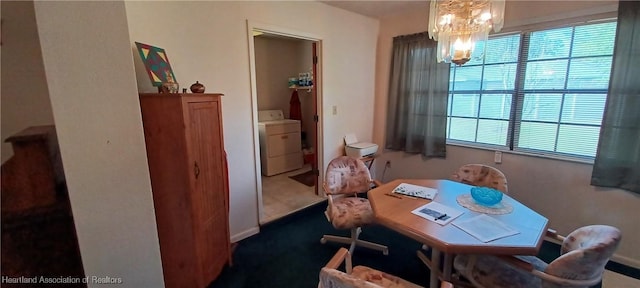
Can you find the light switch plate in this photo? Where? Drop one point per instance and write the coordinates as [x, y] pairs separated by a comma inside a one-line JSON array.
[[497, 158]]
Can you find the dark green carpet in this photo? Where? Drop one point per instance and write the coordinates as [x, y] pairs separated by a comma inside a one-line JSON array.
[[288, 253]]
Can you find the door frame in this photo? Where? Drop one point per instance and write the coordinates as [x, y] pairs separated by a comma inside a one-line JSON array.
[[317, 78]]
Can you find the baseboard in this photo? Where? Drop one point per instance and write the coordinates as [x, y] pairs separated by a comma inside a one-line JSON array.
[[245, 234], [255, 230], [618, 263], [632, 263]]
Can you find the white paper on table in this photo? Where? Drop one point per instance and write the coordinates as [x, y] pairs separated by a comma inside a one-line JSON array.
[[485, 228], [416, 191], [437, 212]]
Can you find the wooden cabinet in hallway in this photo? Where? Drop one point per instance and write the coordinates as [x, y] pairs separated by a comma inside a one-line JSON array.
[[187, 165]]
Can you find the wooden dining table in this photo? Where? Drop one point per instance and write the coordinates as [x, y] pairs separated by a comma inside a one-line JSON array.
[[394, 211]]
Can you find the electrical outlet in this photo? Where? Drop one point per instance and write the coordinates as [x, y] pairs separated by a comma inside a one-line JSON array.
[[388, 164], [335, 110], [497, 158]]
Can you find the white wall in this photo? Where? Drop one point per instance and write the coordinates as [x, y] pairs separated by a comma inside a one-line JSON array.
[[24, 97], [559, 190], [89, 68], [207, 41]]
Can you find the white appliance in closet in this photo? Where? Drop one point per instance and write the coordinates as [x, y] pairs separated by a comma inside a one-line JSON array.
[[280, 142]]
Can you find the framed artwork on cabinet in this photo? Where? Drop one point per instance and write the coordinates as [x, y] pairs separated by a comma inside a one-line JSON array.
[[157, 64]]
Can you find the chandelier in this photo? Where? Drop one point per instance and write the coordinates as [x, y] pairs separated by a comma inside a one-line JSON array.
[[462, 27]]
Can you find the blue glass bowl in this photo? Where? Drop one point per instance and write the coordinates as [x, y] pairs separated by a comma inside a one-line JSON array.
[[486, 196]]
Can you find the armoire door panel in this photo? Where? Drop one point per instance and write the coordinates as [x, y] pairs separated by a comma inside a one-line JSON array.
[[208, 193]]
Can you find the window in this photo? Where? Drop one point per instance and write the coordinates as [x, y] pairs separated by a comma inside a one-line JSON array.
[[541, 91]]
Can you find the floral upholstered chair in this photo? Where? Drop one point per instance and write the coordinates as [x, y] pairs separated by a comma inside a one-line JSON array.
[[481, 175], [345, 178], [584, 254], [360, 276]]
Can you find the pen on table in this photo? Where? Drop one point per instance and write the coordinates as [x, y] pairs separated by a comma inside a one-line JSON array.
[[410, 197], [441, 217], [393, 195]]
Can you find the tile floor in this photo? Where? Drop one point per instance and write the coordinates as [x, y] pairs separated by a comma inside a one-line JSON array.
[[282, 195]]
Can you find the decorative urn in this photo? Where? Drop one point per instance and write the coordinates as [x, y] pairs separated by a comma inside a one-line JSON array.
[[197, 87]]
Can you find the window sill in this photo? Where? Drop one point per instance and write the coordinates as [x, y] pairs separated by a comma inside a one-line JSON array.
[[522, 153]]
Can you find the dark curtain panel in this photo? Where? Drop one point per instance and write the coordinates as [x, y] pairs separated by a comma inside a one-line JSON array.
[[418, 88], [617, 162]]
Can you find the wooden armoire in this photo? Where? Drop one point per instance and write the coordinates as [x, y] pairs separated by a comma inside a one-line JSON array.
[[187, 163]]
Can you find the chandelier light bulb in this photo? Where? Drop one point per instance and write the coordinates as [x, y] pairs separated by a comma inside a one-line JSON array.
[[462, 45], [446, 19], [462, 50], [485, 16]]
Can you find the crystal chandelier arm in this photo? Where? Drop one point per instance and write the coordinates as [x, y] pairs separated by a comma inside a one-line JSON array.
[[433, 15], [497, 14]]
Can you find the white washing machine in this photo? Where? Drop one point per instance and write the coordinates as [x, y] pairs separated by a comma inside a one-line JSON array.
[[280, 142]]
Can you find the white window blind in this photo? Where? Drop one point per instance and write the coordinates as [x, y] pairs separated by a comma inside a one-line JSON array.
[[540, 91]]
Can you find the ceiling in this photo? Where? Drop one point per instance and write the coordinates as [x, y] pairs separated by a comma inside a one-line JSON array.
[[379, 9], [372, 8]]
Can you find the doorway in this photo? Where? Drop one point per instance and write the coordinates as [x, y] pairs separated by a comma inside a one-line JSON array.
[[286, 85]]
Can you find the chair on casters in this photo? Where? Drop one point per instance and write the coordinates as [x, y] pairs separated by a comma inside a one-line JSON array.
[[584, 254], [345, 178], [360, 276]]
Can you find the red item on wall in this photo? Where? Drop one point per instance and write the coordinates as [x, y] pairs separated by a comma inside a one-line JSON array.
[[295, 110]]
